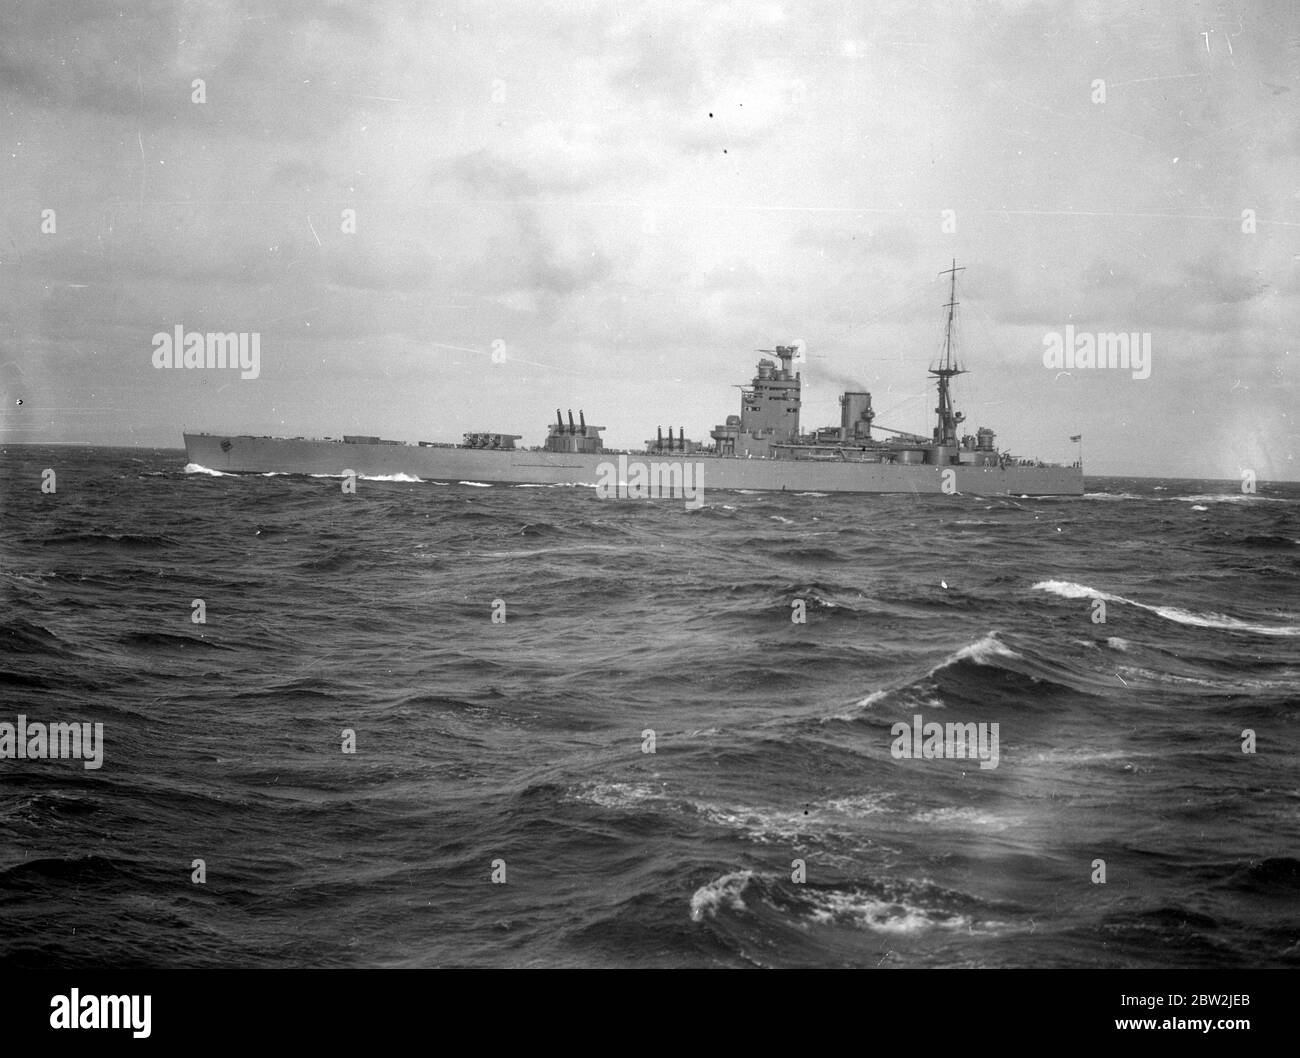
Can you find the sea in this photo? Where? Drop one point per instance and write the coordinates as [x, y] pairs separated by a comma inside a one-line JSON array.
[[445, 724]]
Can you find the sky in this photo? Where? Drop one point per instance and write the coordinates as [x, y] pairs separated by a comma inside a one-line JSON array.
[[441, 218]]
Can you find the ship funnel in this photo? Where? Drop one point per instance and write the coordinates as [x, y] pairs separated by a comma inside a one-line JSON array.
[[559, 419], [681, 438], [582, 423], [659, 433], [571, 427]]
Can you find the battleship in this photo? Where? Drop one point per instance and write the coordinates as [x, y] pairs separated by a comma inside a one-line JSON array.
[[762, 449]]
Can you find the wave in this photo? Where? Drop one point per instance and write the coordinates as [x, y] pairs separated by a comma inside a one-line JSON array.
[[1168, 677], [571, 549], [967, 673], [539, 529], [1268, 541], [1084, 755], [726, 891], [1228, 497], [23, 679], [199, 468], [1028, 678], [619, 795], [983, 651], [1278, 874], [123, 540], [821, 595], [811, 554], [1070, 590], [83, 869], [24, 637], [867, 911], [406, 478], [961, 818], [166, 639], [888, 907], [333, 561], [857, 805], [1199, 498], [761, 824]]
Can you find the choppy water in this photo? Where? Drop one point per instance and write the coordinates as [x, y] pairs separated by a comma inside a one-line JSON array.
[[523, 741]]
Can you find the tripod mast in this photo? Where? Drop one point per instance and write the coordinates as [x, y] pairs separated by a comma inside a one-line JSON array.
[[945, 431]]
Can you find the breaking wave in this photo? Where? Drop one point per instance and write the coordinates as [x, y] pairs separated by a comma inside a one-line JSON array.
[[1070, 590], [727, 891]]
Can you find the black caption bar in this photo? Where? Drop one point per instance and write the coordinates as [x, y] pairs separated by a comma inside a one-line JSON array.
[[148, 1008]]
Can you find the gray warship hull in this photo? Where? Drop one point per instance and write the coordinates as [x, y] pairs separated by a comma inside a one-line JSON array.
[[450, 464]]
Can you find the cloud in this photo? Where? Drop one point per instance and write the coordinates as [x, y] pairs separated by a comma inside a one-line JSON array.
[[638, 194]]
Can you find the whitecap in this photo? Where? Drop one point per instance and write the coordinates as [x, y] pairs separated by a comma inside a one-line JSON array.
[[960, 817], [726, 891], [982, 652], [1070, 590], [880, 916], [1228, 497], [618, 794]]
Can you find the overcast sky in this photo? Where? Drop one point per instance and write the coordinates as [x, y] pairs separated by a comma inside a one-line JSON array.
[[633, 198]]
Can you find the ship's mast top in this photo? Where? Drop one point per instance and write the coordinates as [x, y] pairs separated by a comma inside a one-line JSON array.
[[951, 306], [945, 432]]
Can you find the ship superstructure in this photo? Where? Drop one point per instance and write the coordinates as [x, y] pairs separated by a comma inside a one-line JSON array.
[[768, 425]]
